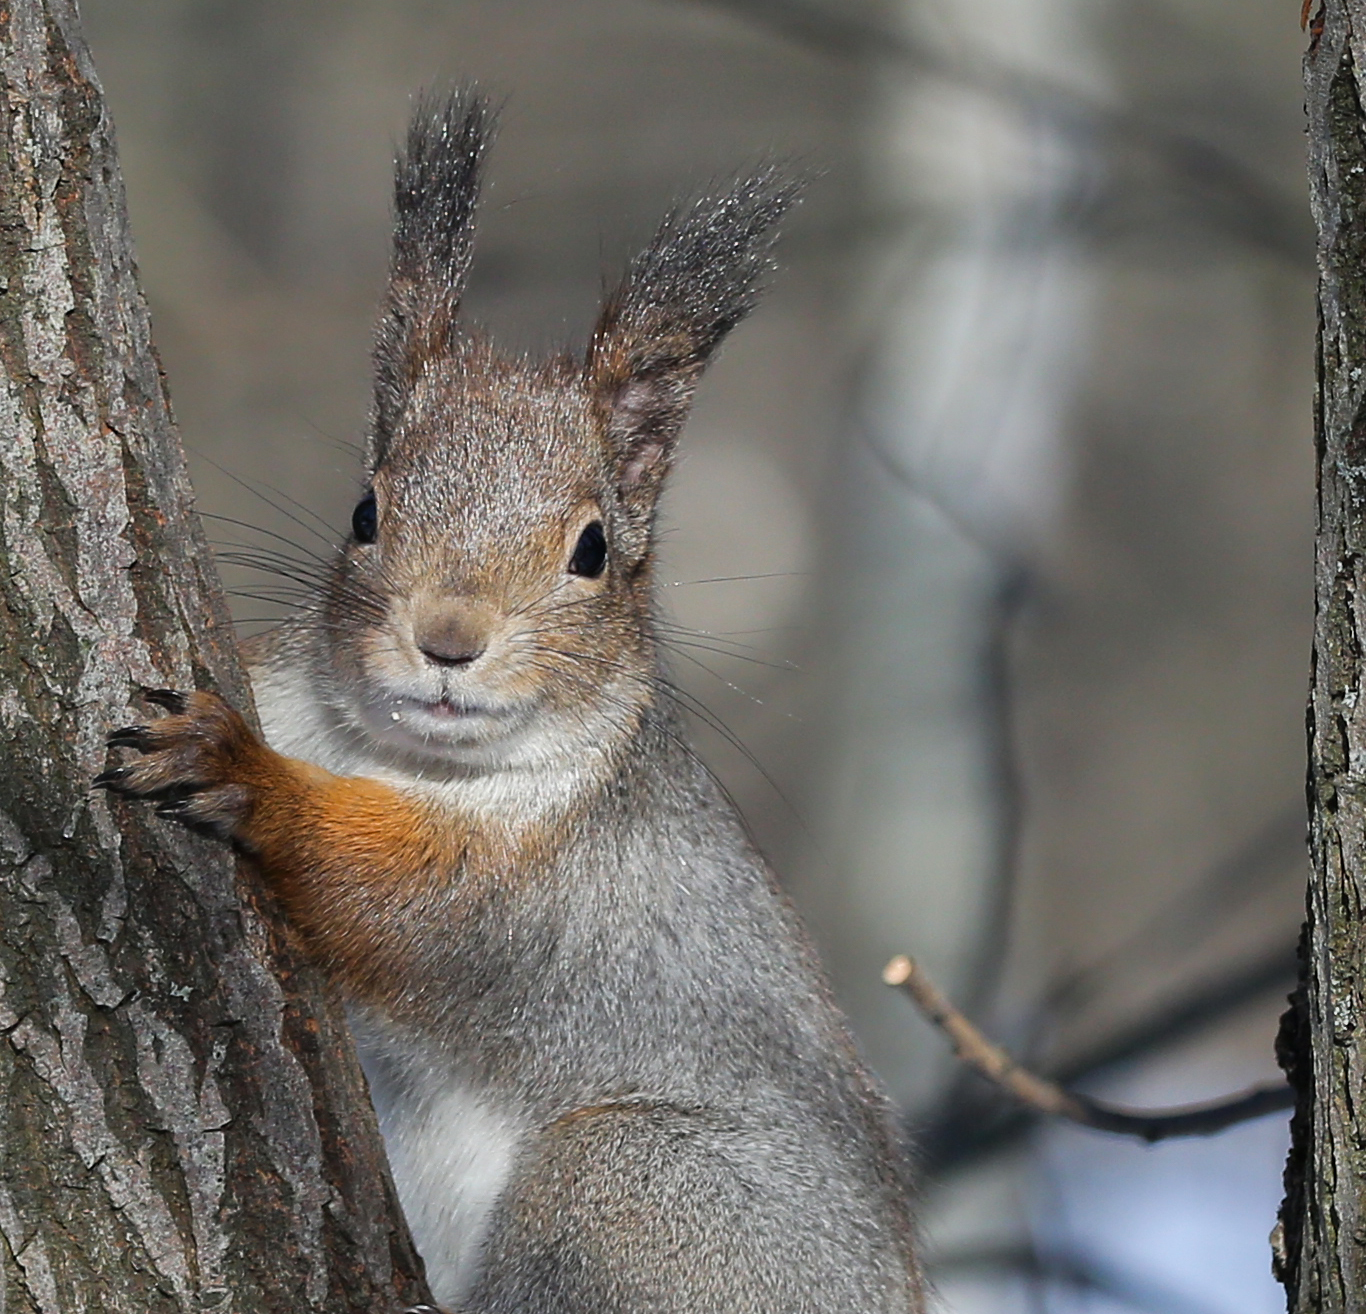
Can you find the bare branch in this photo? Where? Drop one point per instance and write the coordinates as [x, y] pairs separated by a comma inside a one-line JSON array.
[[1046, 1096], [965, 1128]]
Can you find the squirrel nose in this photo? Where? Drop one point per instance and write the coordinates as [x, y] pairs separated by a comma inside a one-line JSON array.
[[439, 657], [448, 641]]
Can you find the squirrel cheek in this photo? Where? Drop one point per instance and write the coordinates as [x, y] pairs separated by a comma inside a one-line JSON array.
[[376, 655]]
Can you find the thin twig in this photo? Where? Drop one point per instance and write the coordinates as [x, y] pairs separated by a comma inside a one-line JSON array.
[[964, 1132], [1046, 1096]]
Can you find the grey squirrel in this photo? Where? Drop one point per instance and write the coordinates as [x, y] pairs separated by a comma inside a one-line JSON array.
[[607, 1067]]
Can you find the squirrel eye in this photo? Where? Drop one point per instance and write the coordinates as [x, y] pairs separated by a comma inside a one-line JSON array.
[[365, 519], [590, 552]]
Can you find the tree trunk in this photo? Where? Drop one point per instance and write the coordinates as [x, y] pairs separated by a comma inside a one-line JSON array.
[[1322, 1257], [181, 1127]]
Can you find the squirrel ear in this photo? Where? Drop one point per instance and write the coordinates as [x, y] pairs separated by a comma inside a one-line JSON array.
[[436, 188], [697, 279]]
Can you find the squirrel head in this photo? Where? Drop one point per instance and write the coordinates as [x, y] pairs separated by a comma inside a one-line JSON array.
[[492, 605]]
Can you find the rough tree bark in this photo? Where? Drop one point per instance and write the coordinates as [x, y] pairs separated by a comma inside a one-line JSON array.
[[181, 1128], [1322, 1251]]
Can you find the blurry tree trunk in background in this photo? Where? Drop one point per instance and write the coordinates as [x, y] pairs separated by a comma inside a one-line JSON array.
[[178, 1129], [1323, 1253]]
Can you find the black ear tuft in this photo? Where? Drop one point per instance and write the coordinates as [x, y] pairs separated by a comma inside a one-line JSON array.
[[436, 189], [698, 278]]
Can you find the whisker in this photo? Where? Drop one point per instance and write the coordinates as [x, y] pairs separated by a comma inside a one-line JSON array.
[[256, 492], [690, 702], [260, 529], [735, 579], [677, 644], [345, 445], [744, 693]]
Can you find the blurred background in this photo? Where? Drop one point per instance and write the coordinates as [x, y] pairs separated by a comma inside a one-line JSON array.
[[992, 532]]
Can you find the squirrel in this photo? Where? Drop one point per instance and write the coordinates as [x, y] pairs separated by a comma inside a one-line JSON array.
[[607, 1067]]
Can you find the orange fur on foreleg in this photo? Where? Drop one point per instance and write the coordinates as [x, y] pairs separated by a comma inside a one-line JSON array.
[[345, 855]]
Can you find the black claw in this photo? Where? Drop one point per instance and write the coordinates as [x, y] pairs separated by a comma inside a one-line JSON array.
[[130, 736], [170, 699], [174, 810], [111, 779]]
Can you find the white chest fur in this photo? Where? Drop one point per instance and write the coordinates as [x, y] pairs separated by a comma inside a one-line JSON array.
[[451, 1149]]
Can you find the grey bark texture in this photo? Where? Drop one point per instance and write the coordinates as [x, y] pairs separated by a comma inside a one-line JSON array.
[[181, 1127], [1322, 1251]]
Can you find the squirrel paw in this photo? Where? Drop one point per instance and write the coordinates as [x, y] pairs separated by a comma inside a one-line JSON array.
[[193, 761]]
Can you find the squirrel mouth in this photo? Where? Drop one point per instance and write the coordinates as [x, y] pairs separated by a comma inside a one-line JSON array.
[[443, 720], [447, 710]]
